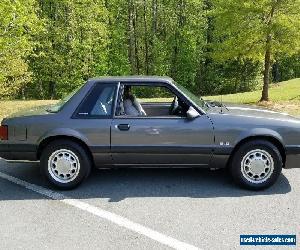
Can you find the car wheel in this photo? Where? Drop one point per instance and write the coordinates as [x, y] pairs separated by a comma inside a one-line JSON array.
[[65, 164], [256, 165]]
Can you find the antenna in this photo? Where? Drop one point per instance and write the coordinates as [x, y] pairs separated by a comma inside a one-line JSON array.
[[221, 103]]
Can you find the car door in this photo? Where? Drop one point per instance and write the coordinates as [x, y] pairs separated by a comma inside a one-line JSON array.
[[164, 140]]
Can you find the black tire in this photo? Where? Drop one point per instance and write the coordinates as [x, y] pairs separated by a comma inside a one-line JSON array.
[[85, 163], [238, 174]]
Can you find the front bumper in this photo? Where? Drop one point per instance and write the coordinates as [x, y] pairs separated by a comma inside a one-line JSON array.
[[26, 152], [292, 156]]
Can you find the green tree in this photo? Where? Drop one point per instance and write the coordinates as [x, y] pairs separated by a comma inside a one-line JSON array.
[[18, 25], [257, 31], [73, 47], [49, 47], [118, 62], [286, 67], [165, 38]]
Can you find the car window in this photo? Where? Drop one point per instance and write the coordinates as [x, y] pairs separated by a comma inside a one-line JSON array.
[[196, 99], [152, 94], [99, 101], [149, 101]]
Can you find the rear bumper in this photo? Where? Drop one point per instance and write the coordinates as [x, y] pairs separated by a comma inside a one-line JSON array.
[[292, 156], [27, 152]]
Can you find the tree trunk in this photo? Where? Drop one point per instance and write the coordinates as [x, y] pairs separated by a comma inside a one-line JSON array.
[[276, 72], [177, 37], [23, 93], [52, 90], [267, 62], [146, 40], [205, 61], [154, 16], [267, 67], [152, 35], [136, 46], [41, 89], [131, 37], [109, 45]]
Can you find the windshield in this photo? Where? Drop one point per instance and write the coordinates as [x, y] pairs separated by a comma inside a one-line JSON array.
[[57, 107], [197, 100]]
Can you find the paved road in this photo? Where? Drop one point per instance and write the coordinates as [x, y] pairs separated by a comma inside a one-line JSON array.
[[199, 207]]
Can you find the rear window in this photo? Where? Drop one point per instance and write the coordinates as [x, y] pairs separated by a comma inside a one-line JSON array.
[[98, 103]]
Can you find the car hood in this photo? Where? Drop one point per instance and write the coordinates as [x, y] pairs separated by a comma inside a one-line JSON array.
[[251, 111]]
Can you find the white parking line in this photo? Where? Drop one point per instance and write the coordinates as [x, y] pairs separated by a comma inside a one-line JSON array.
[[114, 218]]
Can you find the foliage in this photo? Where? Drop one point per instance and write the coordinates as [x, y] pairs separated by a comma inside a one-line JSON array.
[[72, 48], [232, 76], [49, 47], [18, 24], [286, 67], [256, 30]]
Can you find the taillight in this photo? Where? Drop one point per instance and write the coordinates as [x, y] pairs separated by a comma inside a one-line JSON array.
[[3, 132]]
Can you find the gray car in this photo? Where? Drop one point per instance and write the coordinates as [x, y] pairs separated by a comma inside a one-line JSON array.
[[150, 122]]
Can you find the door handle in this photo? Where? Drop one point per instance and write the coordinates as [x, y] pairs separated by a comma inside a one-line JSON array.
[[123, 127]]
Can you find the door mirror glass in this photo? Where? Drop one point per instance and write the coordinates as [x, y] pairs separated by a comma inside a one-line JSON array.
[[192, 113]]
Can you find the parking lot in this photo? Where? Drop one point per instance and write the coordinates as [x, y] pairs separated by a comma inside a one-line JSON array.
[[142, 209]]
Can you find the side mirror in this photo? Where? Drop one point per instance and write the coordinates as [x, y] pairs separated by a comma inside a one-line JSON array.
[[192, 113]]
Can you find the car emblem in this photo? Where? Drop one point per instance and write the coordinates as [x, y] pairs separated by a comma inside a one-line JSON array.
[[224, 143]]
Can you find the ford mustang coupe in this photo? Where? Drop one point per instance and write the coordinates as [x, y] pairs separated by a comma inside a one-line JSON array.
[[150, 122]]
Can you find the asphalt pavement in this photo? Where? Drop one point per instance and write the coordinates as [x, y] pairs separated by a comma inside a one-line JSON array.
[[142, 209]]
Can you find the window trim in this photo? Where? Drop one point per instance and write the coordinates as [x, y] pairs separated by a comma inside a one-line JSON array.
[[122, 117], [76, 115]]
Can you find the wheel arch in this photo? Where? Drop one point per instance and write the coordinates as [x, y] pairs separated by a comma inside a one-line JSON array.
[[46, 141], [270, 138]]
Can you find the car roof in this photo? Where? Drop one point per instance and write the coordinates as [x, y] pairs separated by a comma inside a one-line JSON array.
[[144, 79]]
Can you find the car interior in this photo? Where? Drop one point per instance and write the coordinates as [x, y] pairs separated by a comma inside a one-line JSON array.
[[150, 101]]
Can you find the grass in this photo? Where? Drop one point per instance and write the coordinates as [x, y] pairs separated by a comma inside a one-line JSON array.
[[10, 107], [284, 96], [284, 91]]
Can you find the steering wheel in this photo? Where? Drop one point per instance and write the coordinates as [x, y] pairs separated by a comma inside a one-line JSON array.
[[174, 106]]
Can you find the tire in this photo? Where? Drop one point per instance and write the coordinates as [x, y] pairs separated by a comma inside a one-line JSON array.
[[65, 164], [256, 165]]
